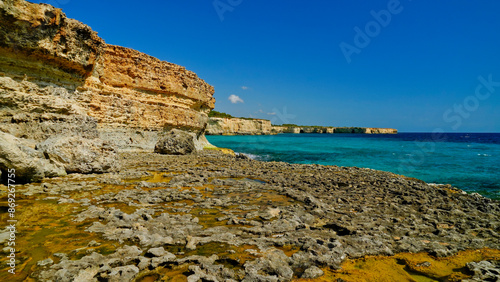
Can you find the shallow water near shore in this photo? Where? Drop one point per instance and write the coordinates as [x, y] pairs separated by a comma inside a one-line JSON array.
[[469, 161]]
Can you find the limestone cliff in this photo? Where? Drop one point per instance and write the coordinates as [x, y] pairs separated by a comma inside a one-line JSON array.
[[325, 129], [238, 126], [364, 130], [381, 131], [58, 76]]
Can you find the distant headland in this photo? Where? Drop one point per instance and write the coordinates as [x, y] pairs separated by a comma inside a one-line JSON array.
[[137, 193], [224, 124]]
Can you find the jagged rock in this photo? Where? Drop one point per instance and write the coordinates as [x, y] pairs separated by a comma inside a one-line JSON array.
[[159, 256], [242, 156], [80, 155], [144, 263], [123, 273], [274, 263], [191, 243], [200, 275], [232, 126], [175, 142], [167, 257], [45, 262], [156, 252], [29, 164], [312, 272], [57, 76], [484, 271], [363, 214], [114, 267]]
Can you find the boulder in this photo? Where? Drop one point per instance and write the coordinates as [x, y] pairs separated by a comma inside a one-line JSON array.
[[29, 165], [123, 273], [237, 126], [176, 142], [273, 266], [312, 272], [484, 270], [80, 155], [156, 252]]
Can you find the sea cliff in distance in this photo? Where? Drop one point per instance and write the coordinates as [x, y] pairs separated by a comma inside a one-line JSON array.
[[224, 124], [106, 175]]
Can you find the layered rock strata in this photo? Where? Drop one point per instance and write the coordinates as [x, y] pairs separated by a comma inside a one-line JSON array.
[[57, 76], [58, 79], [324, 129], [240, 126]]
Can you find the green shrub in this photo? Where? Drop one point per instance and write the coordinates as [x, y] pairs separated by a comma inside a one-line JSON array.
[[219, 114]]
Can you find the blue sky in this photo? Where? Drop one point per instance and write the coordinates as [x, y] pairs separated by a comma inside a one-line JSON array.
[[417, 71]]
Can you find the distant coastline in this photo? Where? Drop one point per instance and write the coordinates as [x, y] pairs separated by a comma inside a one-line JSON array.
[[225, 124]]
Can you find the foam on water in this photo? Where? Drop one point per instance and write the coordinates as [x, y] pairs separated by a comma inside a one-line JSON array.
[[252, 156], [470, 162]]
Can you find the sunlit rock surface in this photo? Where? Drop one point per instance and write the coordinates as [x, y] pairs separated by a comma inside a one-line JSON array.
[[57, 76]]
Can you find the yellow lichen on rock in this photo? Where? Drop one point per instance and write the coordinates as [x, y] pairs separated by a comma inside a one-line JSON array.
[[420, 267]]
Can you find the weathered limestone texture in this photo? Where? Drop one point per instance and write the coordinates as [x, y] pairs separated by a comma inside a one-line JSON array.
[[24, 162], [57, 77], [323, 129], [80, 155], [381, 131], [133, 90], [55, 72], [176, 142], [54, 69], [238, 126]]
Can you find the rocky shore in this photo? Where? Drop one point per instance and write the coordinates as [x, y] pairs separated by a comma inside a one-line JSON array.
[[218, 217], [69, 102], [115, 181]]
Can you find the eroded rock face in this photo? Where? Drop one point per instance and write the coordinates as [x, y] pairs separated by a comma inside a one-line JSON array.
[[242, 126], [176, 142], [57, 76], [380, 131], [324, 129], [39, 41], [150, 94], [28, 165], [238, 126], [81, 155]]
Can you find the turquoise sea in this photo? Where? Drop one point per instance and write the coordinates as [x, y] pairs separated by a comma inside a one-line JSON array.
[[469, 161]]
